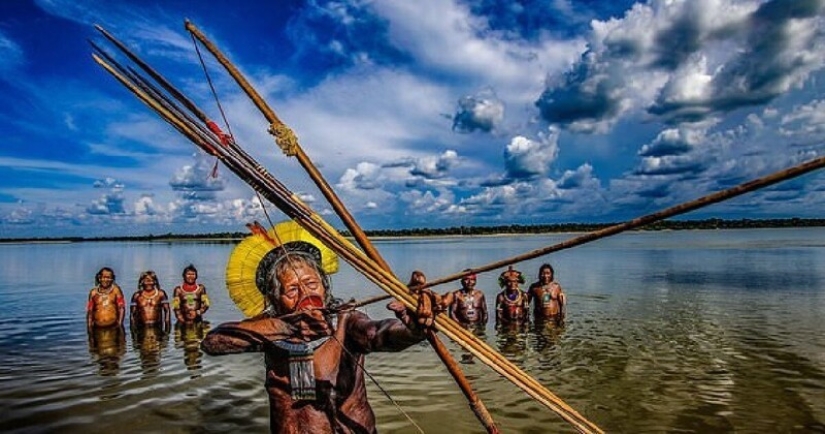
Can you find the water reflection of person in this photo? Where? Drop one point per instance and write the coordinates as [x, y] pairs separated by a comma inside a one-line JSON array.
[[188, 336], [107, 345], [149, 341], [511, 340], [547, 333]]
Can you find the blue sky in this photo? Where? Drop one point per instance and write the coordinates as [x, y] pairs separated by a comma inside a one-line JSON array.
[[428, 113]]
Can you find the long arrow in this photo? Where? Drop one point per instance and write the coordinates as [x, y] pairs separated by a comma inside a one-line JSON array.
[[270, 188], [288, 142], [682, 208]]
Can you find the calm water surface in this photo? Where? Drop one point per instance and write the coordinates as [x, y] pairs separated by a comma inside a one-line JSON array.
[[686, 331]]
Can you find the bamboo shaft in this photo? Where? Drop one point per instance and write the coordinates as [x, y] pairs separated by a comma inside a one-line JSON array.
[[303, 159], [292, 206], [756, 184], [458, 375]]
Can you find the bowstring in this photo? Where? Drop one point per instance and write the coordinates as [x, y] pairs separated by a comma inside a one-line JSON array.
[[377, 384], [287, 253], [225, 120]]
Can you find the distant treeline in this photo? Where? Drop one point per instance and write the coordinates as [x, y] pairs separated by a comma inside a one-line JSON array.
[[233, 237]]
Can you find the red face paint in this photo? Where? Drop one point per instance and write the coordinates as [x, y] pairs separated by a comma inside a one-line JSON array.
[[310, 302]]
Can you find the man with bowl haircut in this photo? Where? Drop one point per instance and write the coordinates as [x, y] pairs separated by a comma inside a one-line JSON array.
[[314, 355]]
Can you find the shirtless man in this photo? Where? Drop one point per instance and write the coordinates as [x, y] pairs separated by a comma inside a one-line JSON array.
[[189, 300], [106, 306], [313, 357], [511, 303], [150, 304], [547, 296], [469, 306]]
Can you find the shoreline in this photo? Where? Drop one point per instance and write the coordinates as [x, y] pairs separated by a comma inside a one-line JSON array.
[[463, 231]]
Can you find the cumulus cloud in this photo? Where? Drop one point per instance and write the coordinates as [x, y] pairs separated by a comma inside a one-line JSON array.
[[582, 177], [483, 112], [687, 60], [198, 182], [20, 216], [672, 141], [109, 203], [434, 167], [108, 183], [525, 158], [145, 205], [365, 176], [805, 120], [429, 202], [587, 100]]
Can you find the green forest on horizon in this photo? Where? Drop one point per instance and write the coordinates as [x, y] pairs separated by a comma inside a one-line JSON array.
[[706, 224]]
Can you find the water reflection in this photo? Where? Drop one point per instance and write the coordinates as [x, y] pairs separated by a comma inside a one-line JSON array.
[[149, 342], [107, 345], [545, 341], [188, 337], [477, 328], [511, 339]]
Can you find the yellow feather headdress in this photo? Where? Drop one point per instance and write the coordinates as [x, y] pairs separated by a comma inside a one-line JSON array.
[[245, 259]]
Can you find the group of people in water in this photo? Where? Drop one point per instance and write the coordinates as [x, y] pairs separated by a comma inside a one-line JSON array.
[[149, 306], [468, 305], [315, 351]]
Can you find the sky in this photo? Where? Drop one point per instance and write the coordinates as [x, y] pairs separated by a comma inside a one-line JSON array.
[[427, 113]]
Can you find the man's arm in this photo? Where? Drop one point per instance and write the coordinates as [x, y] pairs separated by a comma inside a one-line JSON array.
[[165, 313], [388, 335], [483, 307], [530, 294], [245, 336], [454, 306], [90, 307], [120, 299], [525, 311], [176, 303], [133, 307], [204, 300]]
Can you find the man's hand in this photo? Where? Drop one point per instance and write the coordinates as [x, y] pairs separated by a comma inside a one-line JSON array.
[[308, 325], [429, 304]]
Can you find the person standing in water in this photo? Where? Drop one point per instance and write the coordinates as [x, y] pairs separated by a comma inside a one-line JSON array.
[[547, 297], [314, 355], [189, 299], [106, 304], [150, 304], [469, 306], [511, 302]]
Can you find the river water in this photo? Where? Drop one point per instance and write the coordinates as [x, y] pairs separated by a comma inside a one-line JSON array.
[[674, 331]]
